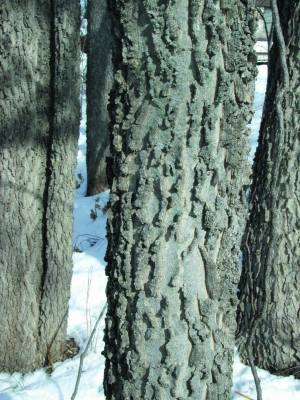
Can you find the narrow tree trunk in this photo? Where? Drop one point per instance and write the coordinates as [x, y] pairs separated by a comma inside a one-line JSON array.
[[182, 98], [99, 82], [269, 286], [39, 129]]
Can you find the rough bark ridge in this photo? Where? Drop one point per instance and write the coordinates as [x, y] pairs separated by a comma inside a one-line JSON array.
[[39, 112], [182, 98], [98, 85], [269, 286]]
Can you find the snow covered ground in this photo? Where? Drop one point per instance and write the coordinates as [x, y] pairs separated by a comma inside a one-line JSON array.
[[88, 298]]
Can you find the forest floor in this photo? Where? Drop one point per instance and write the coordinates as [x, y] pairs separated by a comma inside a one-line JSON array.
[[88, 298]]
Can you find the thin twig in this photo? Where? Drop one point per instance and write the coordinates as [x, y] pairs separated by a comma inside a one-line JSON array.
[[281, 44], [255, 374], [265, 24], [242, 395], [87, 310], [83, 355]]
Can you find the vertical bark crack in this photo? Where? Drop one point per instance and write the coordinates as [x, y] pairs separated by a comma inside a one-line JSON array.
[[49, 145]]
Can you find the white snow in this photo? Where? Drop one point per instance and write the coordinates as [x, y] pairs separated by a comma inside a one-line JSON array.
[[259, 96], [84, 309]]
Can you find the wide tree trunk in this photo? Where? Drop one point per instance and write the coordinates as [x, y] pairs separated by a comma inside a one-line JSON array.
[[270, 282], [182, 98], [99, 81], [39, 109]]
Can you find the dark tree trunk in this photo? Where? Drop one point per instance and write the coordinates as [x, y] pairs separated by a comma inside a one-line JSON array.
[[99, 82], [181, 100], [39, 109], [269, 286]]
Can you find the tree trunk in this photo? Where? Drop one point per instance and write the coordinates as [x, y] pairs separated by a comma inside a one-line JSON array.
[[39, 132], [99, 82], [269, 286], [182, 98]]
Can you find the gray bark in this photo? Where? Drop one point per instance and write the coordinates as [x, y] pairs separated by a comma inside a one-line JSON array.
[[269, 286], [39, 113], [99, 82], [182, 98]]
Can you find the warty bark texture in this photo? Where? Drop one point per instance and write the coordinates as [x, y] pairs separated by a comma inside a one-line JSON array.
[[99, 81], [269, 286], [39, 112], [182, 98]]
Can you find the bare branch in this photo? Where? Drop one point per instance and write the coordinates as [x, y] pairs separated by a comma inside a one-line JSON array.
[[83, 355]]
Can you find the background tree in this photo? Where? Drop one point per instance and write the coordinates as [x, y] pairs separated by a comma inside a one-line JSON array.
[[39, 109], [182, 97], [268, 313], [98, 85]]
